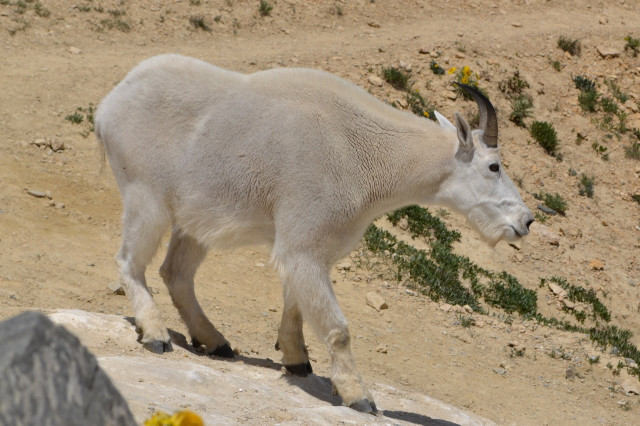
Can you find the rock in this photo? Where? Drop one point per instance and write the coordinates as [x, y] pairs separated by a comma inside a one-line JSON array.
[[547, 210], [373, 24], [375, 80], [75, 50], [48, 378], [405, 66], [608, 52], [500, 371], [568, 304], [56, 144], [37, 194], [116, 288], [557, 290], [570, 374], [516, 24], [345, 266], [445, 307], [382, 348], [403, 103], [596, 265], [631, 386], [468, 309], [424, 51], [603, 20], [545, 234], [449, 94], [376, 301]]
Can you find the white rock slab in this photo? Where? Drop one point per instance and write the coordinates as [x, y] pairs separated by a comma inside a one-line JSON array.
[[237, 392]]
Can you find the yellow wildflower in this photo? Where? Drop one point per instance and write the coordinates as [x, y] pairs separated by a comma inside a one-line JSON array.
[[426, 114], [452, 70], [464, 80], [466, 71], [179, 418]]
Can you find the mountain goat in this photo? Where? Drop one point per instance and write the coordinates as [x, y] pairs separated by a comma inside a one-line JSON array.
[[297, 159]]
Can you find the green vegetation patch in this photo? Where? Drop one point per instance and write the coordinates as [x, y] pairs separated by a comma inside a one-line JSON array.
[[546, 136], [396, 77]]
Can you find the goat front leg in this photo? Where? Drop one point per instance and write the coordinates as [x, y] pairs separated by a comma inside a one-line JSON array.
[[308, 283], [291, 340]]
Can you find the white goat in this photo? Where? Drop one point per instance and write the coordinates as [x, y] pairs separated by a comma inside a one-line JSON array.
[[295, 158]]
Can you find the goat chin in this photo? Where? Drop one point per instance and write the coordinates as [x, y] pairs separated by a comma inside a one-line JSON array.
[[491, 232]]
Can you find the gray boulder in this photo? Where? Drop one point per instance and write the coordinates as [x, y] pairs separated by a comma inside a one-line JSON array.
[[47, 378]]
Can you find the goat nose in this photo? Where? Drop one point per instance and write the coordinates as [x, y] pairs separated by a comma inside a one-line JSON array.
[[529, 223]]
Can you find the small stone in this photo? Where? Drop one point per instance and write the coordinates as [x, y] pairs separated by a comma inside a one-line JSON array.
[[445, 307], [56, 144], [75, 50], [116, 288], [373, 24], [568, 304], [272, 309], [154, 290], [405, 66], [375, 80], [545, 233], [596, 265], [500, 371], [603, 20], [516, 24], [460, 55], [345, 266], [608, 52], [376, 301], [468, 309], [382, 348], [557, 290], [37, 194], [403, 103], [424, 51], [39, 142], [449, 94], [630, 386], [570, 374], [547, 210]]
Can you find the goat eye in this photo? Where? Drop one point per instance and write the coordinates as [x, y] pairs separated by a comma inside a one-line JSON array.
[[495, 167]]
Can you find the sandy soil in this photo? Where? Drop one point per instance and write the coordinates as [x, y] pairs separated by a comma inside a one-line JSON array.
[[57, 251]]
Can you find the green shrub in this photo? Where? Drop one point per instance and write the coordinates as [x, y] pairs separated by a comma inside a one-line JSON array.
[[633, 44], [588, 100], [609, 105], [435, 68], [198, 23], [553, 201], [584, 83], [556, 65], [569, 45], [514, 85], [419, 106], [521, 106], [265, 8], [586, 185], [546, 136], [396, 77], [617, 93], [75, 118]]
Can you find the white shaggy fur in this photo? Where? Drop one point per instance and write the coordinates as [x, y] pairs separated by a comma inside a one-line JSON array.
[[295, 158]]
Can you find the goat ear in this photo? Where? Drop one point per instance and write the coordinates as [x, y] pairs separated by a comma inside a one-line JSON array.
[[444, 123], [465, 139]]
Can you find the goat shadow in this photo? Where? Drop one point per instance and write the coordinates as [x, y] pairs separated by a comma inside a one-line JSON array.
[[317, 386]]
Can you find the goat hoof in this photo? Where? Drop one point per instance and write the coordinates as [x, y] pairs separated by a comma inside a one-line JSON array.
[[223, 351], [365, 406], [157, 346], [301, 370]]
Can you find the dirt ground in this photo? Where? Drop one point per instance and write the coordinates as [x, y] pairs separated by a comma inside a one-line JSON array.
[[56, 251]]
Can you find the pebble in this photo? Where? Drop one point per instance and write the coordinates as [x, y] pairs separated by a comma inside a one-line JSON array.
[[570, 374], [500, 371], [375, 80], [37, 194], [424, 51], [596, 265], [608, 52], [382, 348], [630, 386], [345, 266], [445, 307], [75, 50], [547, 210], [376, 301], [116, 288]]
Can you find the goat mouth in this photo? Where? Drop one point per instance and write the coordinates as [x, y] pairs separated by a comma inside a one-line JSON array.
[[518, 233]]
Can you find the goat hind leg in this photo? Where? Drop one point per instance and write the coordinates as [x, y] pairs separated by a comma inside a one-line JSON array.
[[141, 234], [178, 270]]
